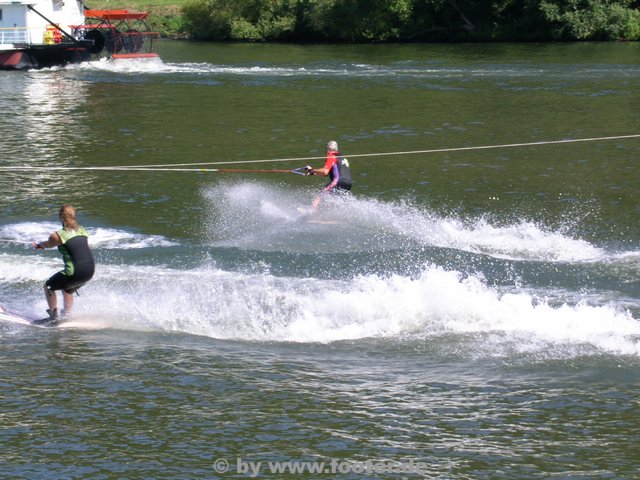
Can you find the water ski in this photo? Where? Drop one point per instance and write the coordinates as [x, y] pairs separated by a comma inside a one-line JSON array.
[[7, 316]]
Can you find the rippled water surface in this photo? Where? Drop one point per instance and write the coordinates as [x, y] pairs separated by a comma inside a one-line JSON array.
[[470, 311]]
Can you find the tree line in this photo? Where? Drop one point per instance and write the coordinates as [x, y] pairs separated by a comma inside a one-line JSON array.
[[411, 20]]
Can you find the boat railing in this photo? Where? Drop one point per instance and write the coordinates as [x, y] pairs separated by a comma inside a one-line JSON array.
[[14, 35]]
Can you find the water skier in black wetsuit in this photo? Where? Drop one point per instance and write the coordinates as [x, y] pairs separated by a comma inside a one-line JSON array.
[[79, 265]]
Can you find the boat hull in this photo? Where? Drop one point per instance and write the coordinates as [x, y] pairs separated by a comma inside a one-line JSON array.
[[43, 56]]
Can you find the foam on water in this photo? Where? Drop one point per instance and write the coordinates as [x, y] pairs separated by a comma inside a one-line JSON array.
[[260, 307], [127, 65], [430, 307], [157, 65], [430, 304], [407, 70], [21, 268], [27, 232], [253, 215]]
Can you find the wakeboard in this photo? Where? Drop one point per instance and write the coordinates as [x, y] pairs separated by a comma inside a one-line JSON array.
[[305, 211], [11, 317], [309, 216], [322, 222]]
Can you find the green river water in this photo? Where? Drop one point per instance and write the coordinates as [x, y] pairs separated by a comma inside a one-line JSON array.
[[470, 311]]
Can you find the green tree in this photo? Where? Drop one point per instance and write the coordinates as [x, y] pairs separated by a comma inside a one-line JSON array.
[[592, 19], [249, 20], [412, 20]]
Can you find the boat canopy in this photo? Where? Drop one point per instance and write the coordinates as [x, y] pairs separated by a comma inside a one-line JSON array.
[[115, 14]]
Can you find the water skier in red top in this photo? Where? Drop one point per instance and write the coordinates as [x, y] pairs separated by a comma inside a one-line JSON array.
[[337, 168]]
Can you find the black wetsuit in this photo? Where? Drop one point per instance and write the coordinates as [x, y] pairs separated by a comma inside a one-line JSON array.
[[79, 265]]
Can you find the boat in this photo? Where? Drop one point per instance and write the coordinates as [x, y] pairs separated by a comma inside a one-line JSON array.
[[49, 33]]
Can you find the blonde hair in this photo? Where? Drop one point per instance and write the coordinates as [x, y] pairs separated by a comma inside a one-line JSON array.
[[67, 216]]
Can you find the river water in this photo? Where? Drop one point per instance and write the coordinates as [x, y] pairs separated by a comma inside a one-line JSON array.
[[470, 311]]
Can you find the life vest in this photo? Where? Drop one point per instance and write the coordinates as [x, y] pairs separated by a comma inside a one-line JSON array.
[[76, 254], [344, 170]]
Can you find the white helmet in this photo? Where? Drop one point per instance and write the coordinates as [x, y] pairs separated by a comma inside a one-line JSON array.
[[332, 145]]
